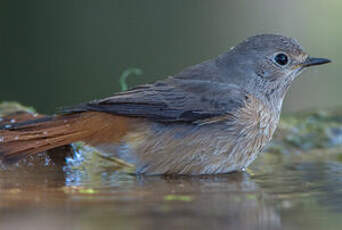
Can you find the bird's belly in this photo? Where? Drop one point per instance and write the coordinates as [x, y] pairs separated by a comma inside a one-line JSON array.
[[181, 149], [187, 149]]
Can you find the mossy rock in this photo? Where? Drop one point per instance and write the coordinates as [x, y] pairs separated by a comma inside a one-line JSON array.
[[13, 107]]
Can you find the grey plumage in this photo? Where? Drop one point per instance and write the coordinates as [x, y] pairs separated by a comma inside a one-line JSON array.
[[212, 88]]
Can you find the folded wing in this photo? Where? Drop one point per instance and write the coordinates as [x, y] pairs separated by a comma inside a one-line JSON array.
[[172, 100]]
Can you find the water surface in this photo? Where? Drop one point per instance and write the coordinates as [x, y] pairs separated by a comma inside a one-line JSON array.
[[279, 191]]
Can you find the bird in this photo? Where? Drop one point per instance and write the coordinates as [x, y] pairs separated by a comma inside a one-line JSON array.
[[211, 118]]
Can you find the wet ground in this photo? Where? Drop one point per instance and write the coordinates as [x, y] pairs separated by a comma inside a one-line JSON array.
[[279, 191]]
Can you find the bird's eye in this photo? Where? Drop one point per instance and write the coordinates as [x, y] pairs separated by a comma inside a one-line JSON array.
[[281, 59]]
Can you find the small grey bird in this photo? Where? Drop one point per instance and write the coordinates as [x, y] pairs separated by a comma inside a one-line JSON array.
[[214, 117]]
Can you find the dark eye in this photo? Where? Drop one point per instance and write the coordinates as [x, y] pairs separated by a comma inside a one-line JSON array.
[[281, 59]]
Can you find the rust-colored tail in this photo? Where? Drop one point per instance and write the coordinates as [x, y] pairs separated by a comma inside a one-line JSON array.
[[19, 139]]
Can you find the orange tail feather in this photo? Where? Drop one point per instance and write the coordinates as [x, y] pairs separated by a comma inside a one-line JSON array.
[[19, 139]]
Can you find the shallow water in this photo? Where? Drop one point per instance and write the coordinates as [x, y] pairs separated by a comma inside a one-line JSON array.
[[279, 191]]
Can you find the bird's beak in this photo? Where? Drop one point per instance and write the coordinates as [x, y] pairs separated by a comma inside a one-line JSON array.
[[311, 61]]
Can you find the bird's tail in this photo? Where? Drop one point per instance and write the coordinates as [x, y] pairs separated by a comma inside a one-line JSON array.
[[21, 137]]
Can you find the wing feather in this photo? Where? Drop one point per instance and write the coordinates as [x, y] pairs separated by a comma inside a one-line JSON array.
[[171, 100]]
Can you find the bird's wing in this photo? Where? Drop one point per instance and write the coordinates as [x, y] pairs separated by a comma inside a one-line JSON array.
[[172, 100]]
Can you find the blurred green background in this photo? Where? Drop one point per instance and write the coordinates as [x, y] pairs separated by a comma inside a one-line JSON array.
[[55, 53]]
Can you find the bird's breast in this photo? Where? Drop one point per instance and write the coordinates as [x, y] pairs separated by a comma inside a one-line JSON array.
[[256, 119], [254, 125]]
